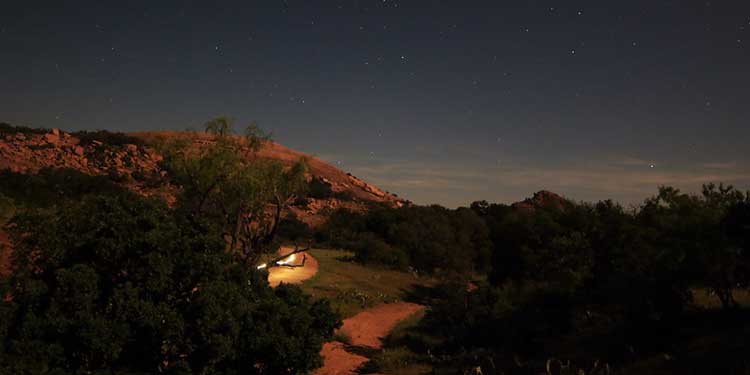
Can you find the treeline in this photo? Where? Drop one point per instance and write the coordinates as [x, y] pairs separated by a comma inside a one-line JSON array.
[[428, 239], [587, 282]]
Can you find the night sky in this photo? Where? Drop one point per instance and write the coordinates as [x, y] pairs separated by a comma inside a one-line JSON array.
[[441, 102]]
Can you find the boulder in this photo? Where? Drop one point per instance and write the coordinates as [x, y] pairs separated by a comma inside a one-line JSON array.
[[52, 138]]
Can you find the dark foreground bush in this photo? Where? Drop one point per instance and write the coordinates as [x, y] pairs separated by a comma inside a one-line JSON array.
[[118, 284], [51, 186]]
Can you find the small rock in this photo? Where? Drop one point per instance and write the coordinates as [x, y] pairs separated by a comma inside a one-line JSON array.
[[56, 132], [78, 150]]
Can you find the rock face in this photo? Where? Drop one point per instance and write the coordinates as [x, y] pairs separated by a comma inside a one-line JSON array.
[[543, 199], [137, 167], [32, 152]]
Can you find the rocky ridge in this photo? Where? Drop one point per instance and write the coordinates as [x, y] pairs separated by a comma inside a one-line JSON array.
[[136, 166]]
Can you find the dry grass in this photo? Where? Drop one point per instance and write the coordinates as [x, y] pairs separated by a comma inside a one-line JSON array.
[[352, 287]]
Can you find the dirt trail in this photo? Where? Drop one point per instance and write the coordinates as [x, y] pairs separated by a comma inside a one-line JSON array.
[[365, 329]]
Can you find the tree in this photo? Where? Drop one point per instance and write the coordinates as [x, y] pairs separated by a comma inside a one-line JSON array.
[[688, 228], [229, 183], [221, 126], [120, 284]]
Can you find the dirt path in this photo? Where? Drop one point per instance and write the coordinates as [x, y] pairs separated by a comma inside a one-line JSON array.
[[294, 275], [365, 329]]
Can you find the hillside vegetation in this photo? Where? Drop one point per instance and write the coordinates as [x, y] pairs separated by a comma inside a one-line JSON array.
[[139, 254], [659, 289]]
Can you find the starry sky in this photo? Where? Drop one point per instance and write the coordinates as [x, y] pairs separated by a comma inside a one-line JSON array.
[[439, 101]]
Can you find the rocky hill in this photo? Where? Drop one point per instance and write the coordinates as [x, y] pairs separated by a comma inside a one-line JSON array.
[[133, 161], [543, 199]]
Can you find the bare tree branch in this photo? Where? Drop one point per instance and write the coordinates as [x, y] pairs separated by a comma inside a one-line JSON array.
[[297, 250]]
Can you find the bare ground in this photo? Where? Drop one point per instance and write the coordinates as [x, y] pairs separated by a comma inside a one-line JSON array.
[[293, 275], [365, 329]]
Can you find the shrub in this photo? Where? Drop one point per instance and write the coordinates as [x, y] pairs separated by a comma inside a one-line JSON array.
[[293, 229], [120, 284], [319, 189], [371, 249], [107, 138], [52, 186], [7, 208], [8, 129]]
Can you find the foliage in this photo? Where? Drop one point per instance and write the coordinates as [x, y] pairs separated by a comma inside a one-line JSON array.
[[51, 186], [589, 282], [8, 129], [371, 249], [351, 286], [106, 137], [120, 284], [320, 189], [7, 208], [293, 229], [244, 194], [430, 239]]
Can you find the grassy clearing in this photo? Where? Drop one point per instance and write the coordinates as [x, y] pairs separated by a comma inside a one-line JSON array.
[[353, 287]]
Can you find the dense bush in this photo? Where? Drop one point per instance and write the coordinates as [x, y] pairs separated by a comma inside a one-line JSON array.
[[595, 282], [8, 129], [50, 186], [319, 189], [7, 208], [293, 229], [373, 250], [431, 238], [107, 138], [119, 284]]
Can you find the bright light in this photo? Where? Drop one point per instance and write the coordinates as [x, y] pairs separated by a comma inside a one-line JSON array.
[[282, 262], [288, 260]]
